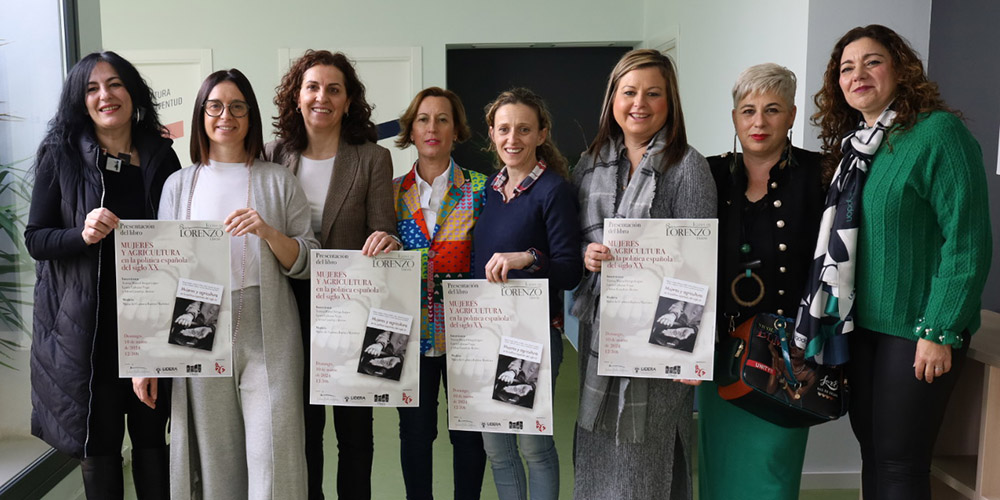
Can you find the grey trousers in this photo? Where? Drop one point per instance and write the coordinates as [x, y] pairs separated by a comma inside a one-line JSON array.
[[242, 437]]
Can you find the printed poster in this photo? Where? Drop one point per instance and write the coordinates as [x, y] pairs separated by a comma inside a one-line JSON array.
[[499, 363], [174, 311], [365, 329], [658, 298]]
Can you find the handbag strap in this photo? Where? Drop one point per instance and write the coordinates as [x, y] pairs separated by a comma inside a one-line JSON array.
[[780, 324]]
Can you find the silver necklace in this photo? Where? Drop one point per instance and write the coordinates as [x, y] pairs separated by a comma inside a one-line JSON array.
[[246, 245]]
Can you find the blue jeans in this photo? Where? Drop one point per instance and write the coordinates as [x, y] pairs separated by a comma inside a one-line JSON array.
[[417, 431], [538, 451]]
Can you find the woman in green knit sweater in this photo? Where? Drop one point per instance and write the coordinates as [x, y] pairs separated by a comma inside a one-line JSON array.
[[908, 255]]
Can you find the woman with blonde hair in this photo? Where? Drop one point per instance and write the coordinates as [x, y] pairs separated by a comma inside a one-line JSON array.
[[528, 229], [770, 202], [633, 434]]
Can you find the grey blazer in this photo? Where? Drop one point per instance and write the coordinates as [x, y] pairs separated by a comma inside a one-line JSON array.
[[359, 200]]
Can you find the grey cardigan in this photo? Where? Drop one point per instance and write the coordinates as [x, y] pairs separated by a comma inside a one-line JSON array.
[[278, 198]]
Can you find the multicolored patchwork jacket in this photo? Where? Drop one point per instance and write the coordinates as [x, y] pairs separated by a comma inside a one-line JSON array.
[[448, 255]]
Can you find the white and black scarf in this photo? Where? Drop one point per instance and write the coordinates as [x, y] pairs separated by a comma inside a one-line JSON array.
[[827, 309]]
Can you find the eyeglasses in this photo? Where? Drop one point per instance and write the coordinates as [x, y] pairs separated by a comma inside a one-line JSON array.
[[214, 108]]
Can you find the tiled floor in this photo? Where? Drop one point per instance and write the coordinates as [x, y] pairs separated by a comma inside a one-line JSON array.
[[388, 481]]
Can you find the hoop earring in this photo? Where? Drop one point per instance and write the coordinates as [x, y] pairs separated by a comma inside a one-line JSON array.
[[298, 110], [139, 114], [789, 136]]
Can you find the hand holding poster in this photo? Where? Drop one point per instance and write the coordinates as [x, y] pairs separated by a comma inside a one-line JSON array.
[[499, 362], [365, 341], [658, 298], [174, 315]]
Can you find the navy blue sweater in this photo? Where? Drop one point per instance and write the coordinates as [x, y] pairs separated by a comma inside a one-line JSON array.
[[546, 218]]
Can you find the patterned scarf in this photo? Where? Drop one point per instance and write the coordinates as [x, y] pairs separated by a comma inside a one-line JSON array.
[[613, 404], [827, 309]]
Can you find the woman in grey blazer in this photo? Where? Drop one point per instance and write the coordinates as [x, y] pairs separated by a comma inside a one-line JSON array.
[[325, 136]]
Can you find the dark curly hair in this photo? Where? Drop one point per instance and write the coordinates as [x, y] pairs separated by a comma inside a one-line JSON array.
[[356, 127], [915, 94], [547, 152], [72, 120]]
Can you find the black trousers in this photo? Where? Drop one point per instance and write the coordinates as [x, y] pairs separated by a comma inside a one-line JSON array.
[[896, 417], [112, 401], [353, 425], [418, 428]]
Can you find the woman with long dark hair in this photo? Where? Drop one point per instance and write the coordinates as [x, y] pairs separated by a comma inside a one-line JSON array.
[[242, 436], [104, 158], [326, 138], [903, 252]]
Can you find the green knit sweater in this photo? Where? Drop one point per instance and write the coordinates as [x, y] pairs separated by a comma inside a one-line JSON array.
[[925, 244]]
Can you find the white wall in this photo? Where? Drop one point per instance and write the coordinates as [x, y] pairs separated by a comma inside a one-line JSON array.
[[717, 39], [248, 34], [829, 20]]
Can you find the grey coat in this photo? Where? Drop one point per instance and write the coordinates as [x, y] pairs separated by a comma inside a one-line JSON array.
[[634, 435], [278, 198]]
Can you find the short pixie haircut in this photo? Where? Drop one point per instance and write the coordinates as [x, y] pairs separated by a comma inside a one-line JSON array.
[[457, 114], [765, 78]]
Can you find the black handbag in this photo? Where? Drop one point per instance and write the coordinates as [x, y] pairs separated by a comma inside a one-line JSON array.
[[759, 369]]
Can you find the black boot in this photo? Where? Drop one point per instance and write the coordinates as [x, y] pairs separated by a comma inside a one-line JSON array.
[[102, 478], [151, 473]]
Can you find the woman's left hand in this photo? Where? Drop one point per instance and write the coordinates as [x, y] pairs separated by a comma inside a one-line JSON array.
[[379, 242], [931, 360], [247, 221], [145, 390], [502, 263]]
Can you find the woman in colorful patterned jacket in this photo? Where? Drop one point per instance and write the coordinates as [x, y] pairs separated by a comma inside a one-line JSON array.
[[437, 205]]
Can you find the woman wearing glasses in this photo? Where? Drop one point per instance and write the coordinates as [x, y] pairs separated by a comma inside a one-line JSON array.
[[242, 436], [102, 159], [326, 138]]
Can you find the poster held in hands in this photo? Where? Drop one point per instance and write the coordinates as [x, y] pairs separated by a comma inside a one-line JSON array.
[[499, 358], [174, 311], [658, 309], [365, 328]]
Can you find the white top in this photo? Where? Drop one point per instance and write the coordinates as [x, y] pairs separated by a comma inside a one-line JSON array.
[[221, 189], [315, 175], [431, 196]]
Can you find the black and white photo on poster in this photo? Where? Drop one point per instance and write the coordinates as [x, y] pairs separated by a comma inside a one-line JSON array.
[[516, 381], [518, 364], [194, 324], [676, 324], [383, 353], [678, 314], [196, 314]]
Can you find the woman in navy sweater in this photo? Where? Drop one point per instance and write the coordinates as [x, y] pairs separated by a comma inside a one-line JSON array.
[[528, 229]]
